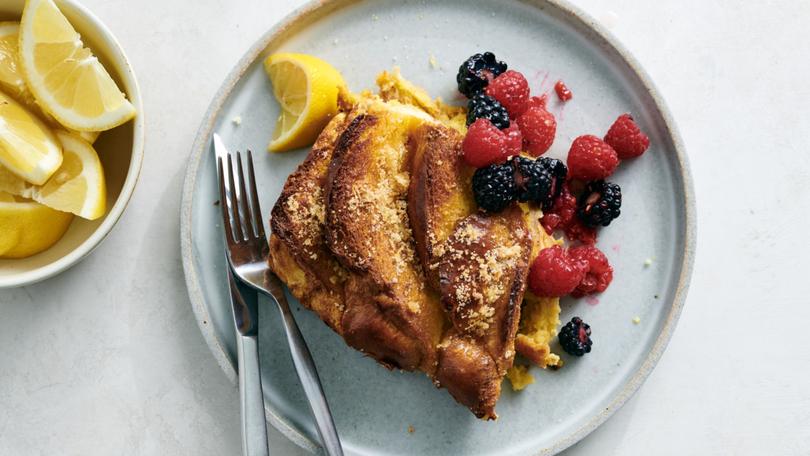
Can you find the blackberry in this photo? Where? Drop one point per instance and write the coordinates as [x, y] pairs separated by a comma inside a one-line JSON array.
[[558, 172], [600, 203], [494, 187], [532, 179], [575, 337], [483, 106], [476, 72]]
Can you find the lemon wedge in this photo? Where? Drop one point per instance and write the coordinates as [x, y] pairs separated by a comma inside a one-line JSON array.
[[28, 148], [13, 83], [67, 80], [78, 186], [307, 88], [27, 227], [11, 78]]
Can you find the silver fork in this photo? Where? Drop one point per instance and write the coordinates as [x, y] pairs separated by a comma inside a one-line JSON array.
[[248, 253]]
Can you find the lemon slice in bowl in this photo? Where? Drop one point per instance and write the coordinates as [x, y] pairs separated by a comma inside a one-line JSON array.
[[13, 82], [28, 148], [27, 227], [65, 77], [307, 88], [89, 136], [11, 77], [78, 186]]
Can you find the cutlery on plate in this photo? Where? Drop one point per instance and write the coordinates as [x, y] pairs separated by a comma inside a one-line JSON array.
[[247, 251], [251, 399]]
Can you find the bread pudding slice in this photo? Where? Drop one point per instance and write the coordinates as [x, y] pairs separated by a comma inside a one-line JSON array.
[[378, 233], [482, 279], [390, 314]]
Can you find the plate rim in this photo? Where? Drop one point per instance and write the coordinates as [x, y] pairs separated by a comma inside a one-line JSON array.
[[313, 9]]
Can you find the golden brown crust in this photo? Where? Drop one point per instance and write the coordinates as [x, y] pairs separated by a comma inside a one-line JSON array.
[[390, 313], [298, 246], [440, 192], [470, 375], [327, 302]]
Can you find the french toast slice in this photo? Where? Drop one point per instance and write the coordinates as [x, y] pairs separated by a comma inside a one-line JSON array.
[[440, 204], [440, 194], [390, 313], [377, 232], [298, 250], [477, 261], [482, 277]]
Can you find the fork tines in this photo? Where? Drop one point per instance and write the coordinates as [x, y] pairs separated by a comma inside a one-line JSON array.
[[240, 210]]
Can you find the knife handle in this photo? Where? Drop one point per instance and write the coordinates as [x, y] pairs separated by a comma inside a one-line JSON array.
[[254, 424], [308, 375]]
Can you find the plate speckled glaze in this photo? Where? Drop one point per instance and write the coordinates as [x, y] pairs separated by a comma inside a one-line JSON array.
[[374, 407]]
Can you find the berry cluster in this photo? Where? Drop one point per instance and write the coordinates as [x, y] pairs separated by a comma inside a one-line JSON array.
[[590, 201], [504, 120], [518, 179]]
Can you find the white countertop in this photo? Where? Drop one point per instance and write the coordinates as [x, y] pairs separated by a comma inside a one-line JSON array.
[[107, 357]]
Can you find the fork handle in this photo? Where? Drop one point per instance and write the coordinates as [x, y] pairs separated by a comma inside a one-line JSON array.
[[254, 424], [308, 375]]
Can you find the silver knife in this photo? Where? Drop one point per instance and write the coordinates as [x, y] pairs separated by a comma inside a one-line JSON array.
[[244, 303]]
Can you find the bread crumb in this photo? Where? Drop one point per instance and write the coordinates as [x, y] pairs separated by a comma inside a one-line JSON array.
[[411, 429], [237, 120], [648, 262], [636, 320]]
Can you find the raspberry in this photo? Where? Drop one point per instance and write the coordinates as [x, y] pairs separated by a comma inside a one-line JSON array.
[[477, 71], [563, 92], [514, 139], [563, 211], [575, 337], [484, 144], [538, 128], [554, 273], [538, 102], [590, 158], [598, 272], [577, 231], [511, 89], [626, 139], [494, 187], [483, 106], [562, 217]]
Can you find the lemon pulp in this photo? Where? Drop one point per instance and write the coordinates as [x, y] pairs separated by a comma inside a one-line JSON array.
[[66, 78]]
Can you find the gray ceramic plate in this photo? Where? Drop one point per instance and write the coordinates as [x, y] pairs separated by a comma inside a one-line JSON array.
[[546, 40]]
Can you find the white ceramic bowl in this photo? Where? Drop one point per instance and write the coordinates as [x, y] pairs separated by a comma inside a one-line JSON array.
[[120, 151]]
